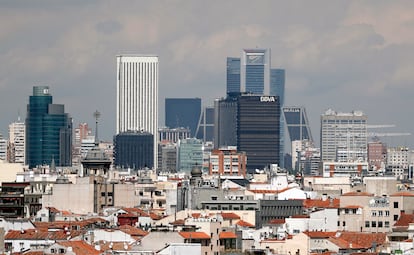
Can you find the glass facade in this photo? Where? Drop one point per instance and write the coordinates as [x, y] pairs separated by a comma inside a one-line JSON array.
[[255, 71], [48, 131], [134, 149], [183, 112], [189, 155], [258, 123], [297, 123], [233, 75], [277, 88]]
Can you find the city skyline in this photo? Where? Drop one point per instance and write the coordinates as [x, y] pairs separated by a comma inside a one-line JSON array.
[[341, 55]]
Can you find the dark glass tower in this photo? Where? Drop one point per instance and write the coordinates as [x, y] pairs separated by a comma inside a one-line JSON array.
[[48, 131], [134, 149], [277, 88], [297, 123], [233, 76], [258, 132], [183, 112], [225, 122]]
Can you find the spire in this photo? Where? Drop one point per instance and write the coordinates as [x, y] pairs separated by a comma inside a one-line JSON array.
[[96, 115]]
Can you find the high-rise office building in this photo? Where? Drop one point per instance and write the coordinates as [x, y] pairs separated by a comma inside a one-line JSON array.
[[277, 88], [205, 127], [297, 123], [134, 149], [183, 112], [225, 122], [48, 131], [137, 96], [17, 138], [255, 71], [343, 136], [189, 154], [233, 76], [258, 120]]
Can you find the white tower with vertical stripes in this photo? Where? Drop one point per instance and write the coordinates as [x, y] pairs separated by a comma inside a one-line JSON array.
[[137, 95]]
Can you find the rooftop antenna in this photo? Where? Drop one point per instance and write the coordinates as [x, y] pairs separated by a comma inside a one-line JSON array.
[[96, 115]]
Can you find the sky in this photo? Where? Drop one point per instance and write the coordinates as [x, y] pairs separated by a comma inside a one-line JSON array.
[[343, 55]]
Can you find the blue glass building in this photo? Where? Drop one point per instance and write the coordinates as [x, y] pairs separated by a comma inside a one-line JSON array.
[[48, 131], [255, 75], [183, 112], [277, 88], [233, 76]]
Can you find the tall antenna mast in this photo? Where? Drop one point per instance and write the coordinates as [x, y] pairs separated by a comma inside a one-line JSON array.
[[96, 115]]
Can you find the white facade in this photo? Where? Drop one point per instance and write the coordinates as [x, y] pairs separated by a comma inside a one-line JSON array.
[[3, 148], [17, 138], [137, 95], [343, 136]]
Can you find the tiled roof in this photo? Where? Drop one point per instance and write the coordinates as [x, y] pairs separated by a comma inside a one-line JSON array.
[[300, 216], [320, 203], [403, 194], [356, 193], [277, 221], [319, 234], [194, 235], [80, 247], [227, 235], [133, 231], [243, 223], [358, 240], [179, 222], [65, 224], [352, 207], [36, 234], [135, 211], [230, 216], [404, 220], [263, 191]]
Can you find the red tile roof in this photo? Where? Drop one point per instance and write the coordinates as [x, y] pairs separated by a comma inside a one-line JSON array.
[[133, 231], [319, 203], [277, 221], [358, 240], [319, 234], [356, 193], [179, 222], [227, 235], [135, 211], [263, 191], [404, 220], [243, 223], [403, 194], [80, 247], [352, 207], [230, 216], [36, 234], [194, 235]]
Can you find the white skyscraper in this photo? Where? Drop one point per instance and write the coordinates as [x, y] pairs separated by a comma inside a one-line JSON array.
[[17, 134], [137, 95]]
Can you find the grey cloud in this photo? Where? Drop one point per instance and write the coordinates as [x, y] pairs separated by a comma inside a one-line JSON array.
[[108, 27]]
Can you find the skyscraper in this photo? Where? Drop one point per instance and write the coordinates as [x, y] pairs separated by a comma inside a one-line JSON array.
[[277, 88], [233, 76], [258, 130], [183, 112], [17, 138], [343, 136], [225, 122], [297, 123], [48, 130], [255, 71], [137, 96], [134, 150]]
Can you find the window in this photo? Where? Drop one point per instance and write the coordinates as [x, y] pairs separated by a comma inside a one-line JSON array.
[[379, 213], [343, 223], [387, 224], [395, 217], [387, 213], [367, 224], [373, 224], [380, 224], [213, 198], [395, 204], [373, 213]]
